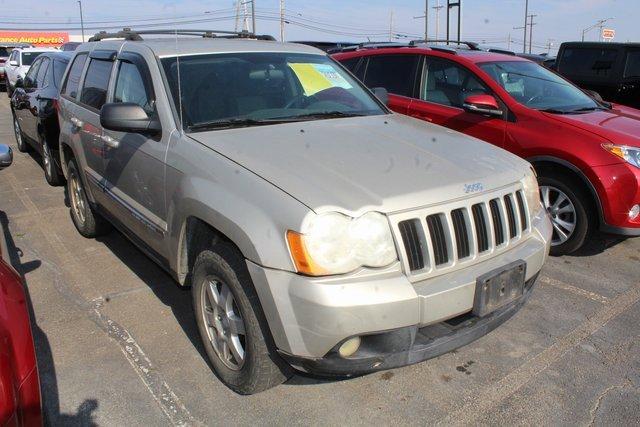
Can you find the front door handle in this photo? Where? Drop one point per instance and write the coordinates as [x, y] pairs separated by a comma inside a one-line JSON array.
[[76, 122], [110, 142]]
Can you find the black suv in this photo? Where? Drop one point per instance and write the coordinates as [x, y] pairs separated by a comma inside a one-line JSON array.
[[611, 69], [34, 104]]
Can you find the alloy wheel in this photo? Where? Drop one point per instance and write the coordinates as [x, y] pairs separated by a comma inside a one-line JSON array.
[[224, 323], [46, 159], [18, 132], [562, 212], [77, 199]]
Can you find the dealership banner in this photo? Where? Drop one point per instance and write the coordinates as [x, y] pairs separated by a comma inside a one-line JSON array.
[[35, 38]]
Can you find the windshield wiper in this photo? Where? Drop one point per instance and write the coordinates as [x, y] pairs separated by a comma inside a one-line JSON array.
[[229, 124], [555, 111], [587, 109], [319, 116]]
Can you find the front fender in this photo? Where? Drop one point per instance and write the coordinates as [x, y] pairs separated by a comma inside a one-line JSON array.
[[249, 211]]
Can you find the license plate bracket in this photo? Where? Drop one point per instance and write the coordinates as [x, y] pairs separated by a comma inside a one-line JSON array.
[[499, 287]]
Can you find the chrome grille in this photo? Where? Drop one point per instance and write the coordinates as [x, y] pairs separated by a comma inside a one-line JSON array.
[[435, 239]]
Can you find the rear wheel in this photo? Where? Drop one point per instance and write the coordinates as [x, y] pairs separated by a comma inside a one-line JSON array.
[[51, 172], [23, 147], [570, 212], [231, 323], [88, 222]]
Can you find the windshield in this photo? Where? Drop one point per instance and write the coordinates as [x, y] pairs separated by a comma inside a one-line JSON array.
[[536, 87], [29, 57], [251, 89]]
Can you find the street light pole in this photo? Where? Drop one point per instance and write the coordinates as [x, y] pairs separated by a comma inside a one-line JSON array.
[[81, 20]]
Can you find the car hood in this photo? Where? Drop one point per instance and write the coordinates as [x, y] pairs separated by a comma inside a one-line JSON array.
[[620, 125], [385, 163]]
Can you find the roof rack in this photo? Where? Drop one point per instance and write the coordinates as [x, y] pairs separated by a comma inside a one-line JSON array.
[[369, 45], [470, 45], [502, 51], [133, 35]]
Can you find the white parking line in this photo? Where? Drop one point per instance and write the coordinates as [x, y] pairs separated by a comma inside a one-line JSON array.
[[573, 289]]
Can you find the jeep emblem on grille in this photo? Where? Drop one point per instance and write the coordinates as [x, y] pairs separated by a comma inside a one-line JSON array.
[[473, 188]]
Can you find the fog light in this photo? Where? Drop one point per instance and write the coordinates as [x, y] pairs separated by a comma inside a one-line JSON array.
[[349, 347], [634, 212]]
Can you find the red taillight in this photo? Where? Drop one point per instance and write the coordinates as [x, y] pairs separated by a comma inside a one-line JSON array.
[[2, 61]]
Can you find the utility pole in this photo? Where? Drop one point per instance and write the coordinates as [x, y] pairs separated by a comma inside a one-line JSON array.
[[509, 42], [238, 9], [81, 20], [526, 19], [253, 16], [391, 26], [426, 19], [282, 20], [549, 45], [437, 8], [531, 31]]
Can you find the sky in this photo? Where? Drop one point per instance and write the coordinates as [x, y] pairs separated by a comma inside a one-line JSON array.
[[489, 21]]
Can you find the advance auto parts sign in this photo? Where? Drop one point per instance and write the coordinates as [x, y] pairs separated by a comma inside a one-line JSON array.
[[44, 39]]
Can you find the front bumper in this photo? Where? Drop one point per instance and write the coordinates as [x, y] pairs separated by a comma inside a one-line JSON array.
[[410, 345], [309, 317], [619, 189]]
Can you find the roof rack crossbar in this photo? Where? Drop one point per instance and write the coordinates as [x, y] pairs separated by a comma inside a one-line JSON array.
[[133, 35], [470, 45]]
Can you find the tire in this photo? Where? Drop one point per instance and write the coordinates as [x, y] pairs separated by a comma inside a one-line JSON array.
[[23, 146], [261, 368], [576, 210], [88, 222], [51, 172]]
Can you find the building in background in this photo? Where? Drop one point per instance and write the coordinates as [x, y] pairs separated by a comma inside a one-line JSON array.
[[36, 38]]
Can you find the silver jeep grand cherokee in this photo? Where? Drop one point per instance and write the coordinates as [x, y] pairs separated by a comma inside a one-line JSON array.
[[317, 229]]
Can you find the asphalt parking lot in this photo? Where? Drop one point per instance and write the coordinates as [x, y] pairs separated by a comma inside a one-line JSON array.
[[117, 343]]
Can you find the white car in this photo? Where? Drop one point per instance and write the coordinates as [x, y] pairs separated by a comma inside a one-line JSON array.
[[19, 63]]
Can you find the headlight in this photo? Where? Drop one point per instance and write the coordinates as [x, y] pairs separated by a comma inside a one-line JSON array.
[[532, 192], [336, 244], [628, 154]]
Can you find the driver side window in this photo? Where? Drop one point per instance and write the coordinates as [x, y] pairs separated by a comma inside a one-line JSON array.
[[447, 83]]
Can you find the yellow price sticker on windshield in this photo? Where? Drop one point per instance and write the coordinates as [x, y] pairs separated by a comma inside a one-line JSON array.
[[315, 78]]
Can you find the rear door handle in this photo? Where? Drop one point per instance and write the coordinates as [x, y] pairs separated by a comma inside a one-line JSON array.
[[110, 142]]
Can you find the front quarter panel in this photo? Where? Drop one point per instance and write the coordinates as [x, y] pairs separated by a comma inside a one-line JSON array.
[[248, 210]]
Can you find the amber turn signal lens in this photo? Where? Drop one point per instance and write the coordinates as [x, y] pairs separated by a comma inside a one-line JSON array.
[[303, 262]]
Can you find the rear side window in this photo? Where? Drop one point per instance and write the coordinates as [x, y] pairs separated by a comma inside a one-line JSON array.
[[42, 72], [595, 63], [96, 82], [58, 71], [632, 66], [73, 78], [396, 73], [131, 86]]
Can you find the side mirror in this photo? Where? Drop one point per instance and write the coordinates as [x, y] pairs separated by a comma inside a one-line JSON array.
[[6, 156], [382, 94], [28, 83], [482, 104], [19, 83], [127, 117], [13, 63]]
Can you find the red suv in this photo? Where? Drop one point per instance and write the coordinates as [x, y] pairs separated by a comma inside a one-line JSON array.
[[586, 152]]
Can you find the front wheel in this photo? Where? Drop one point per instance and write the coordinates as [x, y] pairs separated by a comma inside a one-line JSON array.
[[231, 323], [570, 213], [88, 222]]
